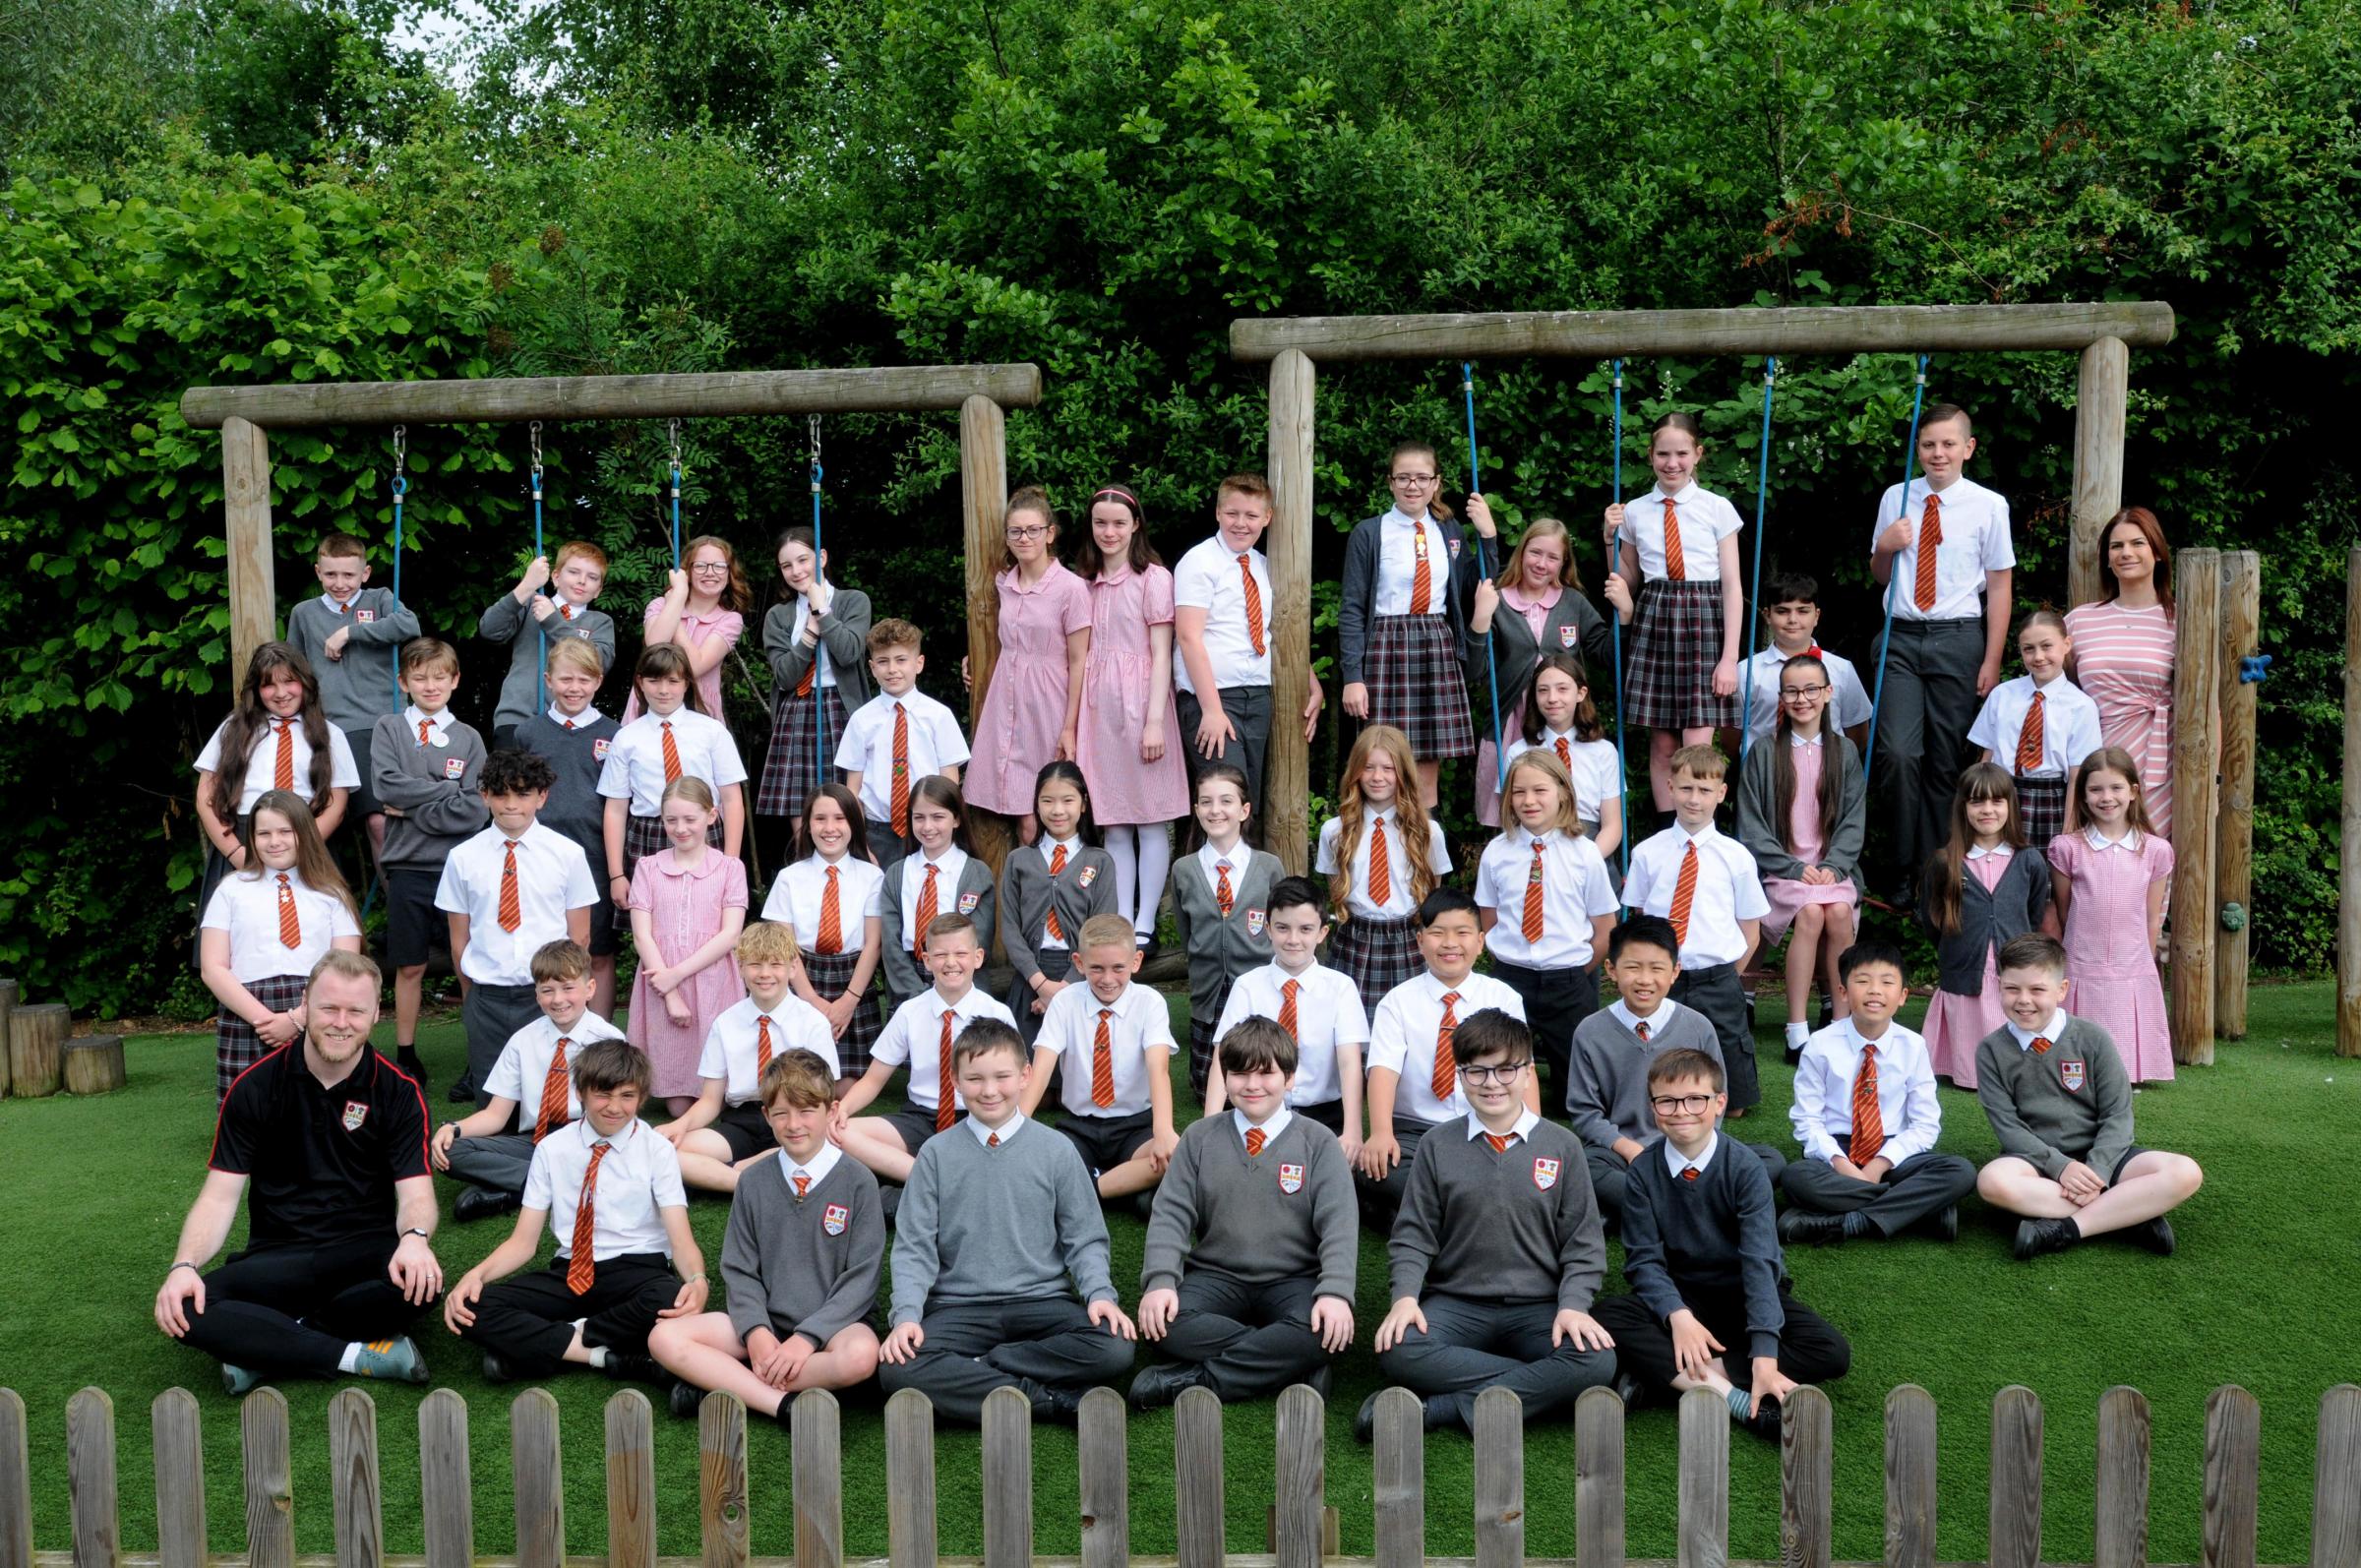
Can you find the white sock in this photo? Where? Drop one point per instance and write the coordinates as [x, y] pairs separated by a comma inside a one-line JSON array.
[[1123, 844], [350, 1360], [598, 1355], [1797, 1034], [1155, 867]]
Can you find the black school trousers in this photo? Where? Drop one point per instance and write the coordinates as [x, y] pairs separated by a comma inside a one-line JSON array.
[[1555, 1000], [1810, 1350], [294, 1308], [527, 1319], [1927, 708]]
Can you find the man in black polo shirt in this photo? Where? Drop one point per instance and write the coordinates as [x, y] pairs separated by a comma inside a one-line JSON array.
[[337, 1259]]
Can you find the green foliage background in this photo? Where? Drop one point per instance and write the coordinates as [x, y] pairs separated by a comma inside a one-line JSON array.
[[226, 191]]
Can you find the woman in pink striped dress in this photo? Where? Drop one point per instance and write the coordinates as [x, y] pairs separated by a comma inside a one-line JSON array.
[[2123, 649]]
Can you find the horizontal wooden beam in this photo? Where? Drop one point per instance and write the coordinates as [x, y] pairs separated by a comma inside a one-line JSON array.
[[1237, 1559], [893, 389], [1607, 333]]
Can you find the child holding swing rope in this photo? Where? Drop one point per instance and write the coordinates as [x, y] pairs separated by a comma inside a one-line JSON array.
[[1680, 543], [817, 640]]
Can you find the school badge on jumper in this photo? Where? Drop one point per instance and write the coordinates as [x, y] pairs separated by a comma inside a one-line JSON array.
[[1545, 1173], [1566, 635], [357, 1111], [1452, 545], [1290, 1178], [599, 749], [1090, 873], [2070, 1074], [967, 902], [835, 1218], [1253, 922], [455, 767], [364, 616]]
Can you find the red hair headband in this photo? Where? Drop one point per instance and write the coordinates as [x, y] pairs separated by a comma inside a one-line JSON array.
[[1119, 494]]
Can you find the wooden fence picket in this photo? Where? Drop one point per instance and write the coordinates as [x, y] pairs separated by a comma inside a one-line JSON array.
[[1704, 1480], [540, 1489], [90, 1480], [631, 1481], [818, 1459], [1500, 1479], [1598, 1479], [1104, 1491], [721, 1506], [179, 1480], [270, 1481], [2233, 1461], [2335, 1491], [910, 1479], [445, 1484], [1806, 1477], [1007, 1479], [2014, 1519], [360, 1518], [1910, 1477], [1398, 1492], [2120, 1536]]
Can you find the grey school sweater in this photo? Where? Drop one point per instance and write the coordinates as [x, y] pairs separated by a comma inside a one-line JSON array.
[[511, 623], [1520, 1225], [1607, 1079], [1222, 949], [2041, 1121], [1287, 1215], [575, 808], [784, 1269], [1011, 1224], [1693, 1240], [355, 688], [438, 812]]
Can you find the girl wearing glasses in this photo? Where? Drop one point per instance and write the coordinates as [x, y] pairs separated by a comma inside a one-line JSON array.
[[1803, 808], [1033, 702], [1409, 578], [702, 612]]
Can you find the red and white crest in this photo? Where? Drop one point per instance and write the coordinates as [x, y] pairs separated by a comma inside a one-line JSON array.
[[1090, 873], [1290, 1178], [2070, 1074], [1545, 1173], [967, 903], [1566, 635], [1451, 545], [835, 1218], [599, 749], [357, 1111], [455, 767], [364, 616], [1253, 922]]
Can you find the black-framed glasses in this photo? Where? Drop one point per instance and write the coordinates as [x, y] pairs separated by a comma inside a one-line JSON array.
[[1791, 693], [1412, 479], [1504, 1073], [1685, 1104]]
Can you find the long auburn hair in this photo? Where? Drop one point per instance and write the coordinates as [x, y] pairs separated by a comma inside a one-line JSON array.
[[250, 724], [738, 596], [1587, 725], [2108, 759], [313, 863], [2145, 521], [1979, 781], [1782, 764], [1090, 560], [1512, 570], [1352, 812]]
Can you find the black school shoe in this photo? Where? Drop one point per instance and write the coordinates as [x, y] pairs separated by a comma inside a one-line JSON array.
[[2038, 1237], [483, 1203], [2155, 1236], [1631, 1391], [684, 1399], [497, 1369], [1802, 1226], [460, 1094], [634, 1368], [1943, 1225], [1057, 1402], [1162, 1382], [1764, 1423]]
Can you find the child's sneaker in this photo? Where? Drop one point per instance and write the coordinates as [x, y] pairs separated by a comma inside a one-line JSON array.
[[237, 1382], [394, 1360]]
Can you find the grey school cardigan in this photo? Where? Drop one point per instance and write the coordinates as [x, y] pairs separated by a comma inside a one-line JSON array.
[[1455, 584], [1988, 921], [1517, 653], [1765, 834], [904, 979], [1086, 887], [1221, 948], [843, 634]]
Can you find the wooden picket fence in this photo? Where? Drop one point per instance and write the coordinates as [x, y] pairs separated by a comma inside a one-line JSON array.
[[1302, 1527]]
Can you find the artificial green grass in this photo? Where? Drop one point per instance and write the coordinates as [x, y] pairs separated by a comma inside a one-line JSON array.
[[2260, 1295]]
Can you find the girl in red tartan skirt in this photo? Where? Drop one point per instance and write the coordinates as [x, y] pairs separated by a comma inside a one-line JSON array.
[[263, 929], [1382, 855], [835, 901], [1680, 543], [1409, 578], [816, 641]]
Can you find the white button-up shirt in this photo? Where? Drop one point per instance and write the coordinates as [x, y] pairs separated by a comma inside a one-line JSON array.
[[1906, 1093], [553, 879], [1329, 1016], [637, 1180], [1139, 1034], [1729, 889], [1575, 889], [1399, 904], [734, 1045], [2069, 725], [1975, 540], [1210, 579], [1402, 1038]]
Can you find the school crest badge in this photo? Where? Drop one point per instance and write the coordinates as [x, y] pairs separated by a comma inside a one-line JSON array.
[[599, 749], [1253, 922], [1545, 1173], [1290, 1178], [1090, 873], [1452, 545], [2070, 1074], [967, 902], [357, 1111], [1566, 635], [835, 1218], [364, 616], [455, 767]]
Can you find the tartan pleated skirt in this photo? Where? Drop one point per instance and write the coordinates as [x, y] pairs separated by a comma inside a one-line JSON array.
[[236, 1047], [830, 974], [2041, 808], [792, 769], [1379, 954], [1675, 642], [1417, 684]]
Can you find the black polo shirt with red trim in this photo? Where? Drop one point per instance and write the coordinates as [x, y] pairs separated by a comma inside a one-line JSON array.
[[320, 1162]]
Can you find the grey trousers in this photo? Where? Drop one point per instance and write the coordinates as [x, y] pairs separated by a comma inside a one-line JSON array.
[[1924, 714], [1251, 1339], [1470, 1346], [491, 1015], [973, 1347], [1382, 1200], [498, 1161], [1919, 1188]]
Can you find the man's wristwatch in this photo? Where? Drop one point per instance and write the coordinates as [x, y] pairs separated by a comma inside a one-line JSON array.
[[419, 1233]]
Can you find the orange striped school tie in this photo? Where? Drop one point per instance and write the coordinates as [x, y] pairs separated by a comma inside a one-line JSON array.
[[1690, 1175], [1101, 1063], [426, 732], [1287, 1008], [943, 1113], [762, 1044], [671, 755], [1676, 565], [1565, 752], [1868, 1123], [291, 926], [1421, 572], [900, 793], [1223, 897], [582, 1266], [282, 770], [803, 1187], [1246, 571], [925, 913], [802, 688], [511, 904], [1381, 866], [2041, 1045], [1446, 1066], [1930, 535], [1499, 1141], [1684, 892], [2031, 737], [552, 1093], [1533, 897], [1056, 865], [1255, 1139], [831, 919]]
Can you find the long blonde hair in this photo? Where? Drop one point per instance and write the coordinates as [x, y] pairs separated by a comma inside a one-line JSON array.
[[1543, 760], [1418, 829], [1512, 570]]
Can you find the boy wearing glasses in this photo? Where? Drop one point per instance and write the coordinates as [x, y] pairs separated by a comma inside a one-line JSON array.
[[1709, 1305], [1791, 616], [1497, 1255]]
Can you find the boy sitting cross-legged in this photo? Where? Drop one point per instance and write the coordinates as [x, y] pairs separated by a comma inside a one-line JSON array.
[[802, 1255], [1114, 1037], [1709, 1306], [1261, 1202], [998, 1229], [2053, 1086], [921, 1033], [1497, 1254], [730, 1127]]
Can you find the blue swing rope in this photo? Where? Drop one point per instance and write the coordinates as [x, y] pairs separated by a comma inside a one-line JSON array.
[[401, 487], [541, 674], [1754, 603], [1614, 632], [820, 647], [676, 495], [1885, 639], [1467, 387]]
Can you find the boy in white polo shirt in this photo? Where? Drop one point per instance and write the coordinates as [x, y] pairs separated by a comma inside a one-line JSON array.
[[1414, 1079], [622, 1224], [727, 1128], [1115, 1039], [530, 1093], [1319, 1008], [922, 1033], [895, 739], [1706, 884], [510, 890]]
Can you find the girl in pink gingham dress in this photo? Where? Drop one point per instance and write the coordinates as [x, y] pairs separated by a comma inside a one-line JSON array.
[[688, 907], [703, 613], [2111, 878], [1034, 704]]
